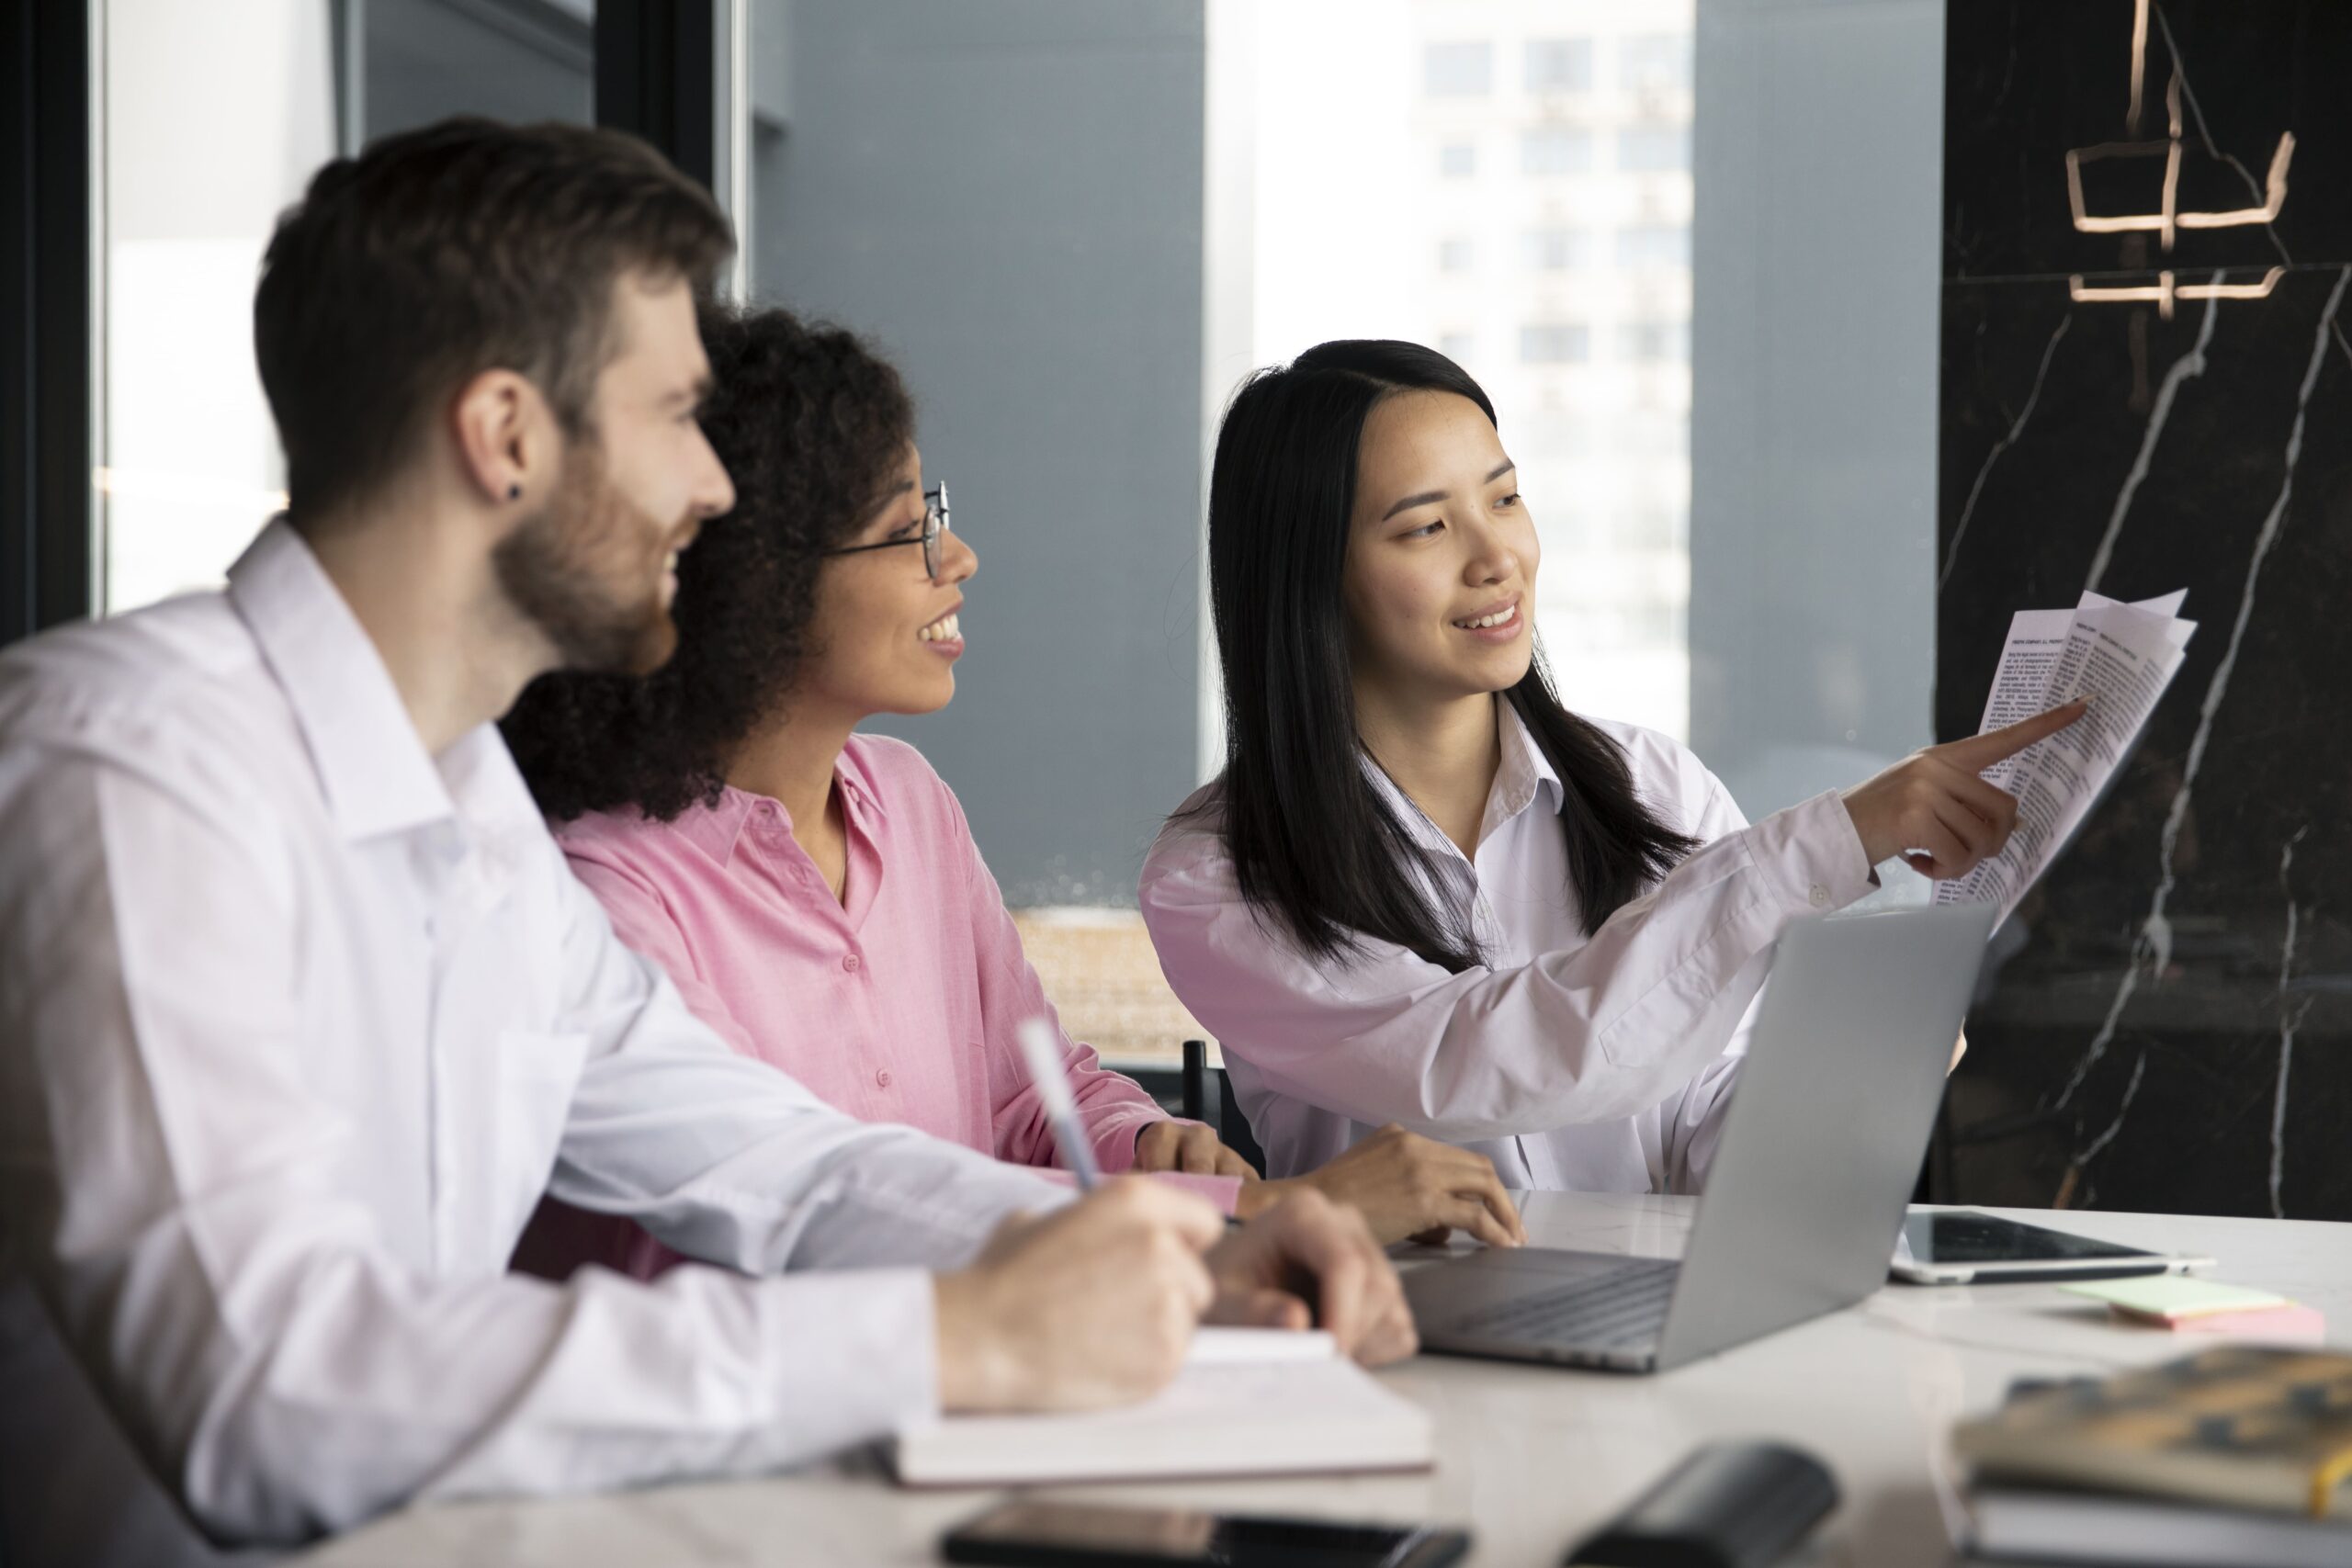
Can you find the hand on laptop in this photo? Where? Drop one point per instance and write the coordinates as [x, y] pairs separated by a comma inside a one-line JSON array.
[[1308, 1249], [1405, 1185], [1932, 809], [1086, 1307]]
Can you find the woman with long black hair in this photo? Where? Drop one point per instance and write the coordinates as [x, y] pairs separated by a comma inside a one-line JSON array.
[[1424, 893], [815, 891]]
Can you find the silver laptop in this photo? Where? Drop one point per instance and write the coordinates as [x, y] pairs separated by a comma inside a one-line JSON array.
[[1820, 1151]]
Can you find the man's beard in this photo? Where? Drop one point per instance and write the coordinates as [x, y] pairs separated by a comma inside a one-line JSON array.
[[572, 569]]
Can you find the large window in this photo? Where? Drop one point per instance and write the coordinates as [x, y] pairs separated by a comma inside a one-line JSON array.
[[1582, 337], [187, 461], [1056, 312], [1011, 243], [188, 466], [1075, 226]]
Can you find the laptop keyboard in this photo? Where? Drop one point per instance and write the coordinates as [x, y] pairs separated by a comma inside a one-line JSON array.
[[1626, 1306]]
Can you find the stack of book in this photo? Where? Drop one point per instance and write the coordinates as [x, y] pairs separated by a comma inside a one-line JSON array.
[[2238, 1457]]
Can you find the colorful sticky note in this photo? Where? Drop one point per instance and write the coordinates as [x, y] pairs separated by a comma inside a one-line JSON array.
[[2298, 1324], [2169, 1298]]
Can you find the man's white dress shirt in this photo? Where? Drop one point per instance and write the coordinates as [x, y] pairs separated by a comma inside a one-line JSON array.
[[297, 1024], [1593, 1064]]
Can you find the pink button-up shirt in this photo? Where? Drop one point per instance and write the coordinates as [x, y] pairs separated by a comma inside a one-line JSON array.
[[898, 1003]]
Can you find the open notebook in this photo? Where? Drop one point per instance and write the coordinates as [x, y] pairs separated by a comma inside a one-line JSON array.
[[1247, 1401]]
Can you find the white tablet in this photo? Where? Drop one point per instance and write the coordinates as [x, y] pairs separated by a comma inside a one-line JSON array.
[[1958, 1246]]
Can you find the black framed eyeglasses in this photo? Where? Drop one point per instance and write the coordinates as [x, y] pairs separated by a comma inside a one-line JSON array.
[[934, 524]]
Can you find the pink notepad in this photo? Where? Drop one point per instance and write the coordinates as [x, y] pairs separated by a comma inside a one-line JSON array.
[[2293, 1321], [2206, 1306]]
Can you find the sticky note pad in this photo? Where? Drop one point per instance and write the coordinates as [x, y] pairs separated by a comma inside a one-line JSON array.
[[2301, 1324], [2169, 1298]]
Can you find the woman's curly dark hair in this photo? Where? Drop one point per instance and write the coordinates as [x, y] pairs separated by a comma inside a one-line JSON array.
[[811, 424]]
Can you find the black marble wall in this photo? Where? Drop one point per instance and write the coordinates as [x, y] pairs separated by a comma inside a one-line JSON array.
[[2169, 1021]]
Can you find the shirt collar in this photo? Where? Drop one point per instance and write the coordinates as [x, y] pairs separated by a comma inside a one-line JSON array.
[[1521, 773], [372, 764], [1524, 770], [861, 795], [714, 829]]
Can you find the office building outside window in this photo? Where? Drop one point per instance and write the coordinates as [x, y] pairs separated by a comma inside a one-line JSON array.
[[1582, 337], [187, 461], [1656, 62], [1581, 334], [1559, 65], [1654, 148], [1555, 250], [1650, 247], [188, 467], [1655, 343], [1458, 69], [1555, 343], [1555, 149]]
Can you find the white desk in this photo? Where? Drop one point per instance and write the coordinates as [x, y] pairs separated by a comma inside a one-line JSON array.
[[1529, 1457]]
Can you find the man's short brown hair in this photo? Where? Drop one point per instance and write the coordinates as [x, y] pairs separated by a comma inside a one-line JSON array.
[[441, 253]]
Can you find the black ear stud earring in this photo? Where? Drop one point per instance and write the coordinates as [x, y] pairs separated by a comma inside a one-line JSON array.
[[513, 493]]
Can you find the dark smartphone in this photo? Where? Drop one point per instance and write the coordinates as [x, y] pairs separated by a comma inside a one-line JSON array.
[[1025, 1534]]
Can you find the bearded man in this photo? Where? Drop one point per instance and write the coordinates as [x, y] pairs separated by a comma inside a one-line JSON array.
[[302, 1013]]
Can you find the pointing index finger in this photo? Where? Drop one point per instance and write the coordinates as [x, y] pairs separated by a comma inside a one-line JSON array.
[[1979, 752]]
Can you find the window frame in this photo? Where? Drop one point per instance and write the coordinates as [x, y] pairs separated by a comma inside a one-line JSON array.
[[47, 516], [656, 75]]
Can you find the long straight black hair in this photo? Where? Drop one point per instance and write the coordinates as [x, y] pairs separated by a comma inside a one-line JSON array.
[[1313, 841]]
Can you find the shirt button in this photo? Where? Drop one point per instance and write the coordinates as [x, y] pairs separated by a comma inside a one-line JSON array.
[[1820, 896], [883, 1077], [849, 962]]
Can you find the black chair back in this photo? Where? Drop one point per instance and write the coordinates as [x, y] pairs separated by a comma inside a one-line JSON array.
[[1208, 1096]]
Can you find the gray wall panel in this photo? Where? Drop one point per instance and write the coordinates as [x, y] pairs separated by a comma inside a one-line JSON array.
[[1812, 434], [1008, 196]]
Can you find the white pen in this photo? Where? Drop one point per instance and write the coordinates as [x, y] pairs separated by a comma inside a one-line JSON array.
[[1045, 1062]]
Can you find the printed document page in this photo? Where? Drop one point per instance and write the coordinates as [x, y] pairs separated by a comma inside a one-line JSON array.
[[2121, 656]]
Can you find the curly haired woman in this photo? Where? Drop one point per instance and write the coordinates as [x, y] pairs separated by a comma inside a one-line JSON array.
[[814, 892]]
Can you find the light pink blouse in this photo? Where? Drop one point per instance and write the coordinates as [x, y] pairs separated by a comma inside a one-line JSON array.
[[897, 1004]]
